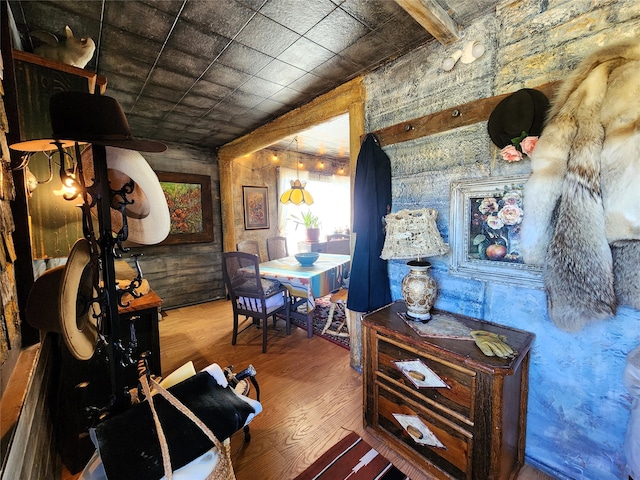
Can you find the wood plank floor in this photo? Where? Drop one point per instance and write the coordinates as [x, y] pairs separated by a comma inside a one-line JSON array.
[[310, 395]]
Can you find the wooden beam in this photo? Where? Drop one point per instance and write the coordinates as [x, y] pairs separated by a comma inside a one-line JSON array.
[[433, 18], [320, 109], [348, 97], [454, 117]]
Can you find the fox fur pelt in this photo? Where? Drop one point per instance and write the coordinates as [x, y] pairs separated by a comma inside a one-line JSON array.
[[582, 201]]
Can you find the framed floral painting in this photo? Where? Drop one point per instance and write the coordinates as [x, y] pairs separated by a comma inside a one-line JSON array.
[[486, 217], [256, 207], [190, 207]]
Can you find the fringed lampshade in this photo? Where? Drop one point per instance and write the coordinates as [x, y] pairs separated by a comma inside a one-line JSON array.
[[414, 234]]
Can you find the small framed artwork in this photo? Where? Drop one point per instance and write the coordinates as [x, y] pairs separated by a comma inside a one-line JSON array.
[[486, 217], [255, 201], [190, 207]]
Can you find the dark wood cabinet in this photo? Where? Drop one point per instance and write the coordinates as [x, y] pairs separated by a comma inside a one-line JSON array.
[[471, 423]]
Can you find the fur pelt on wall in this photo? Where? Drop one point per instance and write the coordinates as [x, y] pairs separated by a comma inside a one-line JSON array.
[[582, 201]]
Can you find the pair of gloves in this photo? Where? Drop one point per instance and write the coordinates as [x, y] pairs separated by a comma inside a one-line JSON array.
[[492, 344]]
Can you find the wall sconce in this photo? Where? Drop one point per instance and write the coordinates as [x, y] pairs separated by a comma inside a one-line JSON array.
[[451, 61], [469, 54]]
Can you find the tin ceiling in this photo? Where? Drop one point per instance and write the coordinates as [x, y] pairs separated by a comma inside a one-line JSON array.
[[205, 72]]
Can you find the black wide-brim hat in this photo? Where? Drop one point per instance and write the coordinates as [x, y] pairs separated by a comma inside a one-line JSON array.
[[522, 111], [86, 118]]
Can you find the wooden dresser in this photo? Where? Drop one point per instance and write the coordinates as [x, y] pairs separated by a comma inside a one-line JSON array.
[[470, 422]]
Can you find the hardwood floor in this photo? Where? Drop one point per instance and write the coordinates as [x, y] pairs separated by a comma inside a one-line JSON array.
[[310, 395]]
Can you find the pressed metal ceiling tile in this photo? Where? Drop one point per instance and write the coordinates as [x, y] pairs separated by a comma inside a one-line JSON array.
[[171, 7], [372, 14], [166, 78], [226, 76], [296, 15], [265, 87], [281, 73], [288, 96], [222, 111], [183, 63], [402, 31], [243, 100], [152, 107], [224, 17], [158, 91], [337, 31], [120, 63], [305, 55], [210, 89], [254, 115], [370, 51], [311, 83], [138, 18], [124, 97], [266, 36], [192, 39], [337, 68], [243, 58], [118, 42], [271, 106], [199, 102], [230, 64]]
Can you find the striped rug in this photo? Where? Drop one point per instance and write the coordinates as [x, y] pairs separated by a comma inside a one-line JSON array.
[[354, 459]]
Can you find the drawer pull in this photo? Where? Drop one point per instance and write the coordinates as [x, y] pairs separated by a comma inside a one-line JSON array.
[[417, 430], [414, 432], [420, 375]]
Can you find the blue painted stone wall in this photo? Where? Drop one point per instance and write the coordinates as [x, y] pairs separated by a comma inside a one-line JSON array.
[[578, 407]]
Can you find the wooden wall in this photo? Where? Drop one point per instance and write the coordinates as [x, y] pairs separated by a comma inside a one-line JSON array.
[[188, 273], [32, 454]]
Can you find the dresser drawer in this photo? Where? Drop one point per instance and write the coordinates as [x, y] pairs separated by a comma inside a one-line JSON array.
[[450, 449], [454, 395]]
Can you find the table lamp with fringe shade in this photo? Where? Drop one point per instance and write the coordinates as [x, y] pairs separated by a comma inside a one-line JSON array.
[[413, 234]]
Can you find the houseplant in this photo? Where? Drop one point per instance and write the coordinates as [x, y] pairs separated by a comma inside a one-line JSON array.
[[311, 222]]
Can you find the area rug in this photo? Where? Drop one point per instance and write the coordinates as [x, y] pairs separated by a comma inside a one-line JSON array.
[[354, 459], [320, 315]]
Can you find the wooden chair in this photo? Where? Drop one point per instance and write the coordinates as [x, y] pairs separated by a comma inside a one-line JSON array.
[[277, 248], [249, 246], [253, 297], [338, 300]]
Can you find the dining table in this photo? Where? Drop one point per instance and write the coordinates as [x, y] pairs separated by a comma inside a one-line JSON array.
[[307, 283]]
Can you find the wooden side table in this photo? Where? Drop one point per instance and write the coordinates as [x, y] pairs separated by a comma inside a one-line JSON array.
[[470, 423]]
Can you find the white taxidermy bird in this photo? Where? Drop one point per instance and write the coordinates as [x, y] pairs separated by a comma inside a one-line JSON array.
[[72, 51]]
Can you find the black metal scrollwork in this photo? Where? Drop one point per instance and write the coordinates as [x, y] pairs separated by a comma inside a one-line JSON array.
[[133, 285], [119, 201]]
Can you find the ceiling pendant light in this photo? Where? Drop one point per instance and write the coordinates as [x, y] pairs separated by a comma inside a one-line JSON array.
[[297, 194]]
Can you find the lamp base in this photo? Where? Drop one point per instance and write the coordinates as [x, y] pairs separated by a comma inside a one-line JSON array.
[[419, 291]]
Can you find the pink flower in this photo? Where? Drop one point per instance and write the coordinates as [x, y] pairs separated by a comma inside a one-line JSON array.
[[495, 222], [511, 214], [488, 205], [528, 144], [510, 154]]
